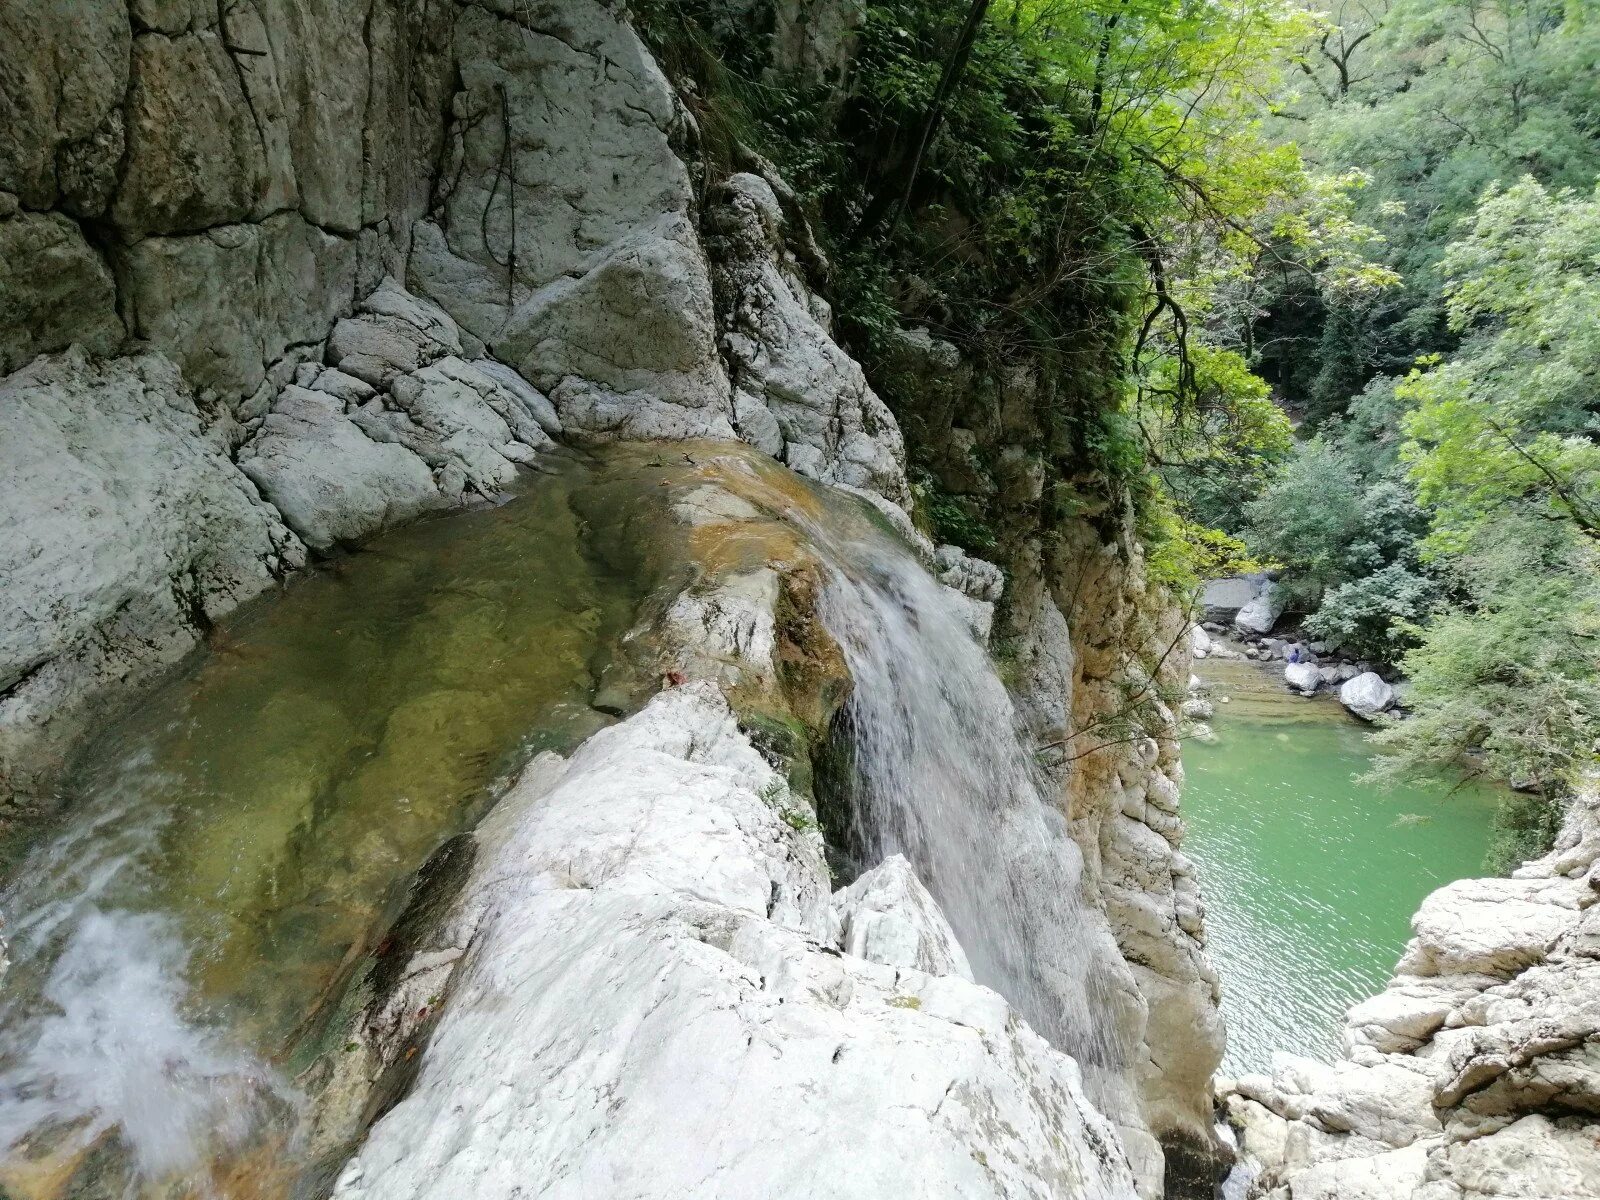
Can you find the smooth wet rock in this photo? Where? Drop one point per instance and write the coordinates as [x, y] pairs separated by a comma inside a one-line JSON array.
[[1367, 695]]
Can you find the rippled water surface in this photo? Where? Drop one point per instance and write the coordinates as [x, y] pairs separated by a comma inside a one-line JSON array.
[[1310, 879], [231, 848]]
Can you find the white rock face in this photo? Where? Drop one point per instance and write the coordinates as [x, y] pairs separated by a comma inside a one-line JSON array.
[[886, 916], [796, 394], [1366, 695], [567, 242], [398, 426], [1475, 1075], [1261, 612], [124, 530], [650, 1005]]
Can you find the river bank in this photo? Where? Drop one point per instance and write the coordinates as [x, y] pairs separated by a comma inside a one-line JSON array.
[[1471, 1068]]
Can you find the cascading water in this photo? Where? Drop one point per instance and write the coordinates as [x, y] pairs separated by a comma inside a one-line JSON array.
[[941, 774], [235, 848]]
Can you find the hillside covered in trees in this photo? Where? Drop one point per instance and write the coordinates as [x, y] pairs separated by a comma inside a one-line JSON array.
[[1422, 304], [1316, 291]]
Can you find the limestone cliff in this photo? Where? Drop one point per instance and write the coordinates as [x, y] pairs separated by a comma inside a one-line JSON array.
[[276, 275]]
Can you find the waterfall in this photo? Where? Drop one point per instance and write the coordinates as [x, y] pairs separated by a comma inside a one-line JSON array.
[[942, 774]]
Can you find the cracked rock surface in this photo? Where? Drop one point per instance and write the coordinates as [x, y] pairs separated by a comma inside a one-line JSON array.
[[653, 955]]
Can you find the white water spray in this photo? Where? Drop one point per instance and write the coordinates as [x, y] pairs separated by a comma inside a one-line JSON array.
[[97, 1033], [942, 775]]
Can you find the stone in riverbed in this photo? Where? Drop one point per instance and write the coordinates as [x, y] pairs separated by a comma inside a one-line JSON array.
[[1305, 678], [1366, 695], [1262, 611]]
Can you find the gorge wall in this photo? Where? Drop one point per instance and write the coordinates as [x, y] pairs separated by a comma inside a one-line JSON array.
[[277, 275]]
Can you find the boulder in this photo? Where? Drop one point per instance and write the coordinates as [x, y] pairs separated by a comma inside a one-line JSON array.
[[1305, 678], [1223, 598], [54, 290], [1199, 642], [1474, 1073], [1366, 695], [1261, 613]]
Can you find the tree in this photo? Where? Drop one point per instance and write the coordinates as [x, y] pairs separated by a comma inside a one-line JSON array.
[[1506, 681], [1512, 417]]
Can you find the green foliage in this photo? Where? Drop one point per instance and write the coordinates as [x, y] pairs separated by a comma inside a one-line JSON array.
[[1325, 525], [1525, 826], [947, 518], [1511, 418], [1508, 678], [1435, 100], [1224, 448], [1377, 616], [1181, 555], [1079, 149]]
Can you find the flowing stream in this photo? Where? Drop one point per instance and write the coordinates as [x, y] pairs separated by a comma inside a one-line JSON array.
[[1310, 878], [229, 850], [232, 852], [942, 774]]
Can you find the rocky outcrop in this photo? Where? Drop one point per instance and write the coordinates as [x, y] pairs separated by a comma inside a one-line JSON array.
[[240, 197], [1476, 1073], [796, 395], [649, 885], [1081, 632], [125, 531], [361, 264], [399, 424]]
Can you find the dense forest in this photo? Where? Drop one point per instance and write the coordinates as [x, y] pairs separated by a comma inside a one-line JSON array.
[[1321, 286], [1437, 509]]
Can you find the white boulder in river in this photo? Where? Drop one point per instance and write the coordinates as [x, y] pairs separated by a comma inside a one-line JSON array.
[[1303, 677], [648, 998], [1366, 695], [1262, 611]]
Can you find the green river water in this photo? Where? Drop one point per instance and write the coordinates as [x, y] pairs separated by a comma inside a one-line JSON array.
[[1310, 879]]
